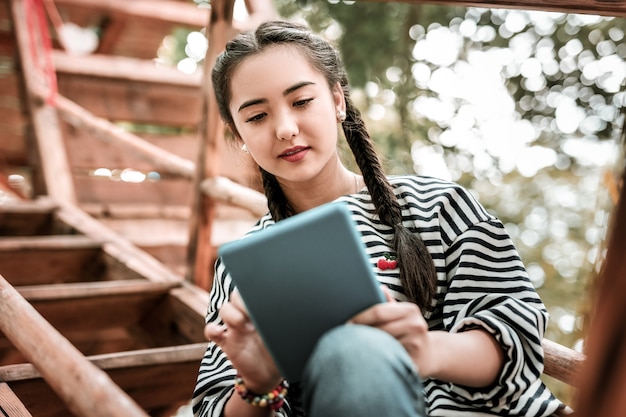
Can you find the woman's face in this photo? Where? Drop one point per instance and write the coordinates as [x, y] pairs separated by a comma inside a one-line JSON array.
[[286, 114]]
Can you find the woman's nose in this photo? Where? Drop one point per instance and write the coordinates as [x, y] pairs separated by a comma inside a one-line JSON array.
[[286, 126]]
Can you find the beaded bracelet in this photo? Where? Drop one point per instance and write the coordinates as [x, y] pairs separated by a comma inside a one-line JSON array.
[[273, 399]]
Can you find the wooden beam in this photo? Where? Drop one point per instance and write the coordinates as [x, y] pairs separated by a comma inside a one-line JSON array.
[[199, 253], [136, 101], [123, 69], [117, 360], [56, 358], [57, 242], [175, 12], [51, 149], [561, 362], [224, 190], [103, 129], [615, 8], [94, 289], [10, 405], [116, 246], [111, 34]]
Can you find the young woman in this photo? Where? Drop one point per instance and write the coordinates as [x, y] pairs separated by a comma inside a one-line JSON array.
[[461, 334]]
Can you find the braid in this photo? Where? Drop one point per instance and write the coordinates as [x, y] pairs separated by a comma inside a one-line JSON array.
[[277, 202], [417, 270]]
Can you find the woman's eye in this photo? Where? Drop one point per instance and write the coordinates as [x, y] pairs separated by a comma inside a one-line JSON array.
[[302, 103], [256, 118]]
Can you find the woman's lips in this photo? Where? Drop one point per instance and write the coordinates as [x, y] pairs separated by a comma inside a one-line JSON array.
[[294, 154]]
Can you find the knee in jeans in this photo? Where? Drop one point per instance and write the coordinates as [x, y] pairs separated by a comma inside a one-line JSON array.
[[357, 344]]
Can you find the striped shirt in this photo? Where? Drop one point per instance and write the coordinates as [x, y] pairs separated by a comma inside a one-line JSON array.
[[481, 282]]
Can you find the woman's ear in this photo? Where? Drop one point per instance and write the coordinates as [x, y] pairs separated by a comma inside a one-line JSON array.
[[339, 98], [232, 131]]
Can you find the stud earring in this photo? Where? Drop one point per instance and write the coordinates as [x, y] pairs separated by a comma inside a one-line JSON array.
[[341, 115], [244, 148]]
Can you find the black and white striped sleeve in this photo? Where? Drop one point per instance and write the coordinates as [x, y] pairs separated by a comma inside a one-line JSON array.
[[216, 375], [488, 288]]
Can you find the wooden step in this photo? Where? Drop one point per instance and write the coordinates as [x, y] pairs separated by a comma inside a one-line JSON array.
[[147, 337], [113, 316], [35, 260], [158, 379], [115, 304], [30, 218]]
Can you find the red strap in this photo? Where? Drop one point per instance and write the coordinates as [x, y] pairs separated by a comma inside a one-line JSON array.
[[38, 30]]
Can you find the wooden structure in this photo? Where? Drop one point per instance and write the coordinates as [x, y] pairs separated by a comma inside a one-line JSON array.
[[96, 316], [603, 376], [109, 234]]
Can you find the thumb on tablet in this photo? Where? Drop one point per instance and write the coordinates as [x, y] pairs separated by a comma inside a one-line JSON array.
[[387, 293]]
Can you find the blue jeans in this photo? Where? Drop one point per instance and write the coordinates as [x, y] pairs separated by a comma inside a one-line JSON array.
[[361, 371]]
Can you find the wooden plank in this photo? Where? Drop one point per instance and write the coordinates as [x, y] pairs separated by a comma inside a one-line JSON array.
[[166, 192], [10, 405], [14, 153], [600, 7], [163, 105], [127, 255], [117, 360], [151, 387], [80, 147], [56, 358], [59, 292], [56, 173], [110, 37], [176, 12], [81, 118], [211, 142], [92, 342], [562, 362], [26, 220], [106, 311], [38, 206], [104, 317], [184, 312], [123, 69], [234, 165], [12, 120], [602, 381], [51, 259], [154, 378], [48, 243]]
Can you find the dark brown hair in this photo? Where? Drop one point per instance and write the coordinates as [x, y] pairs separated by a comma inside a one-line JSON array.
[[417, 271]]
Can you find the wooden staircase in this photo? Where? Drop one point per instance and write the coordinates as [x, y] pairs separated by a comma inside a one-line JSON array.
[[122, 310], [100, 314]]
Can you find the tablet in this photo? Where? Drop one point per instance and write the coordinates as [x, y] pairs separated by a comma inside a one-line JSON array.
[[301, 277]]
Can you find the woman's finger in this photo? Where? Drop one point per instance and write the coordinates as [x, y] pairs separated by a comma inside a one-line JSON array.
[[387, 293], [214, 332], [237, 301]]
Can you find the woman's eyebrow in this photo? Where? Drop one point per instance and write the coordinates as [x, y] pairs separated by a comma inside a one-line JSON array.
[[285, 93], [296, 87], [251, 103]]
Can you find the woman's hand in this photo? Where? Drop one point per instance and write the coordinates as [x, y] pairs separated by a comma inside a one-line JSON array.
[[405, 322], [242, 344], [472, 358]]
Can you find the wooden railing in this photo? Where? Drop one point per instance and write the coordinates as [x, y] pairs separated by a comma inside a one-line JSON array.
[[76, 380], [615, 8]]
